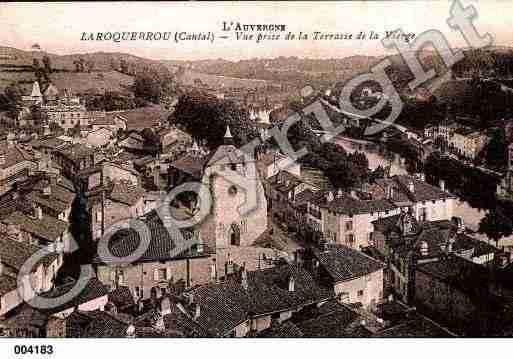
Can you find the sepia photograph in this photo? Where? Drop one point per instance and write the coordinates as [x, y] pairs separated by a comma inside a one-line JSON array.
[[257, 170]]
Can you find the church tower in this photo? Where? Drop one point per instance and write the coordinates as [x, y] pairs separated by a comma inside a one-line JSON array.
[[239, 208]]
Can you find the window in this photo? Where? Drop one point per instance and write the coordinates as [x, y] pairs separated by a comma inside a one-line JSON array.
[[233, 166], [349, 225], [161, 274], [360, 293], [350, 239], [232, 191]]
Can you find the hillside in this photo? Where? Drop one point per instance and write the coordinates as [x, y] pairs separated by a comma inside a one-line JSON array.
[[217, 81], [16, 66]]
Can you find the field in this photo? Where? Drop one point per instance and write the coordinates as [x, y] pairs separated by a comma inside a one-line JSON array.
[[216, 81]]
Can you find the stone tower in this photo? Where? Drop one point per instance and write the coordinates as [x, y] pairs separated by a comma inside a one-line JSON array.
[[239, 208]]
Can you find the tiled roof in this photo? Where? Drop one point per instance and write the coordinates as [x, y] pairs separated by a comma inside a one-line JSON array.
[[14, 254], [126, 193], [161, 244], [25, 316], [346, 204], [191, 164], [436, 234], [182, 323], [76, 151], [121, 297], [8, 283], [227, 154], [226, 305], [14, 155], [49, 142], [284, 181], [284, 330], [94, 289], [60, 199], [271, 157], [422, 191], [104, 325], [416, 326], [338, 322], [343, 263], [48, 228]]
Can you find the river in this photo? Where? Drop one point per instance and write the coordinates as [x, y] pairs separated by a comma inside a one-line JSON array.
[[471, 216]]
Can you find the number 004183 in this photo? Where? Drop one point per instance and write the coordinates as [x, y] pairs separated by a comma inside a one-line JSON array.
[[33, 349]]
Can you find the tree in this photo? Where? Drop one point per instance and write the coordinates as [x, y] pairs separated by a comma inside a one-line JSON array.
[[90, 65], [205, 117], [496, 225], [12, 99], [47, 64]]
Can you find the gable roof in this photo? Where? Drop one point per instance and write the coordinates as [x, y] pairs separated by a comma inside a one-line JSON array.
[[191, 164], [14, 155], [47, 228], [161, 243], [94, 289], [8, 283], [126, 193], [227, 154], [422, 191], [343, 263], [14, 254], [226, 305]]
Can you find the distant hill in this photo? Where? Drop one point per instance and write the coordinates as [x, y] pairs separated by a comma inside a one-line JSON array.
[[16, 66]]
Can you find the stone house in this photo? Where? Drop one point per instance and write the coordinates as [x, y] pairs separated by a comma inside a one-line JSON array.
[[355, 277], [426, 202], [161, 263], [251, 302], [16, 164], [28, 223], [13, 255], [115, 202], [282, 192], [269, 163], [73, 159], [404, 243], [344, 218], [458, 293]]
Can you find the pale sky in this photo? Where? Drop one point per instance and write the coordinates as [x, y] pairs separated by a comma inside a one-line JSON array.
[[58, 27]]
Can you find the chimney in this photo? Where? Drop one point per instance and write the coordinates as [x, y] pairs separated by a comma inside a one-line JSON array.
[[37, 211], [130, 331], [197, 311], [156, 176], [329, 196], [47, 189], [354, 195], [390, 192], [442, 185], [411, 187], [244, 278], [292, 283], [340, 193], [213, 270]]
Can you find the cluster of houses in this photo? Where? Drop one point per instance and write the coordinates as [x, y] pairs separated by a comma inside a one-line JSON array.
[[375, 254], [464, 141]]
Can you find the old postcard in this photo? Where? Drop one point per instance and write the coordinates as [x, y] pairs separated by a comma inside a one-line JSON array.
[[255, 170]]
